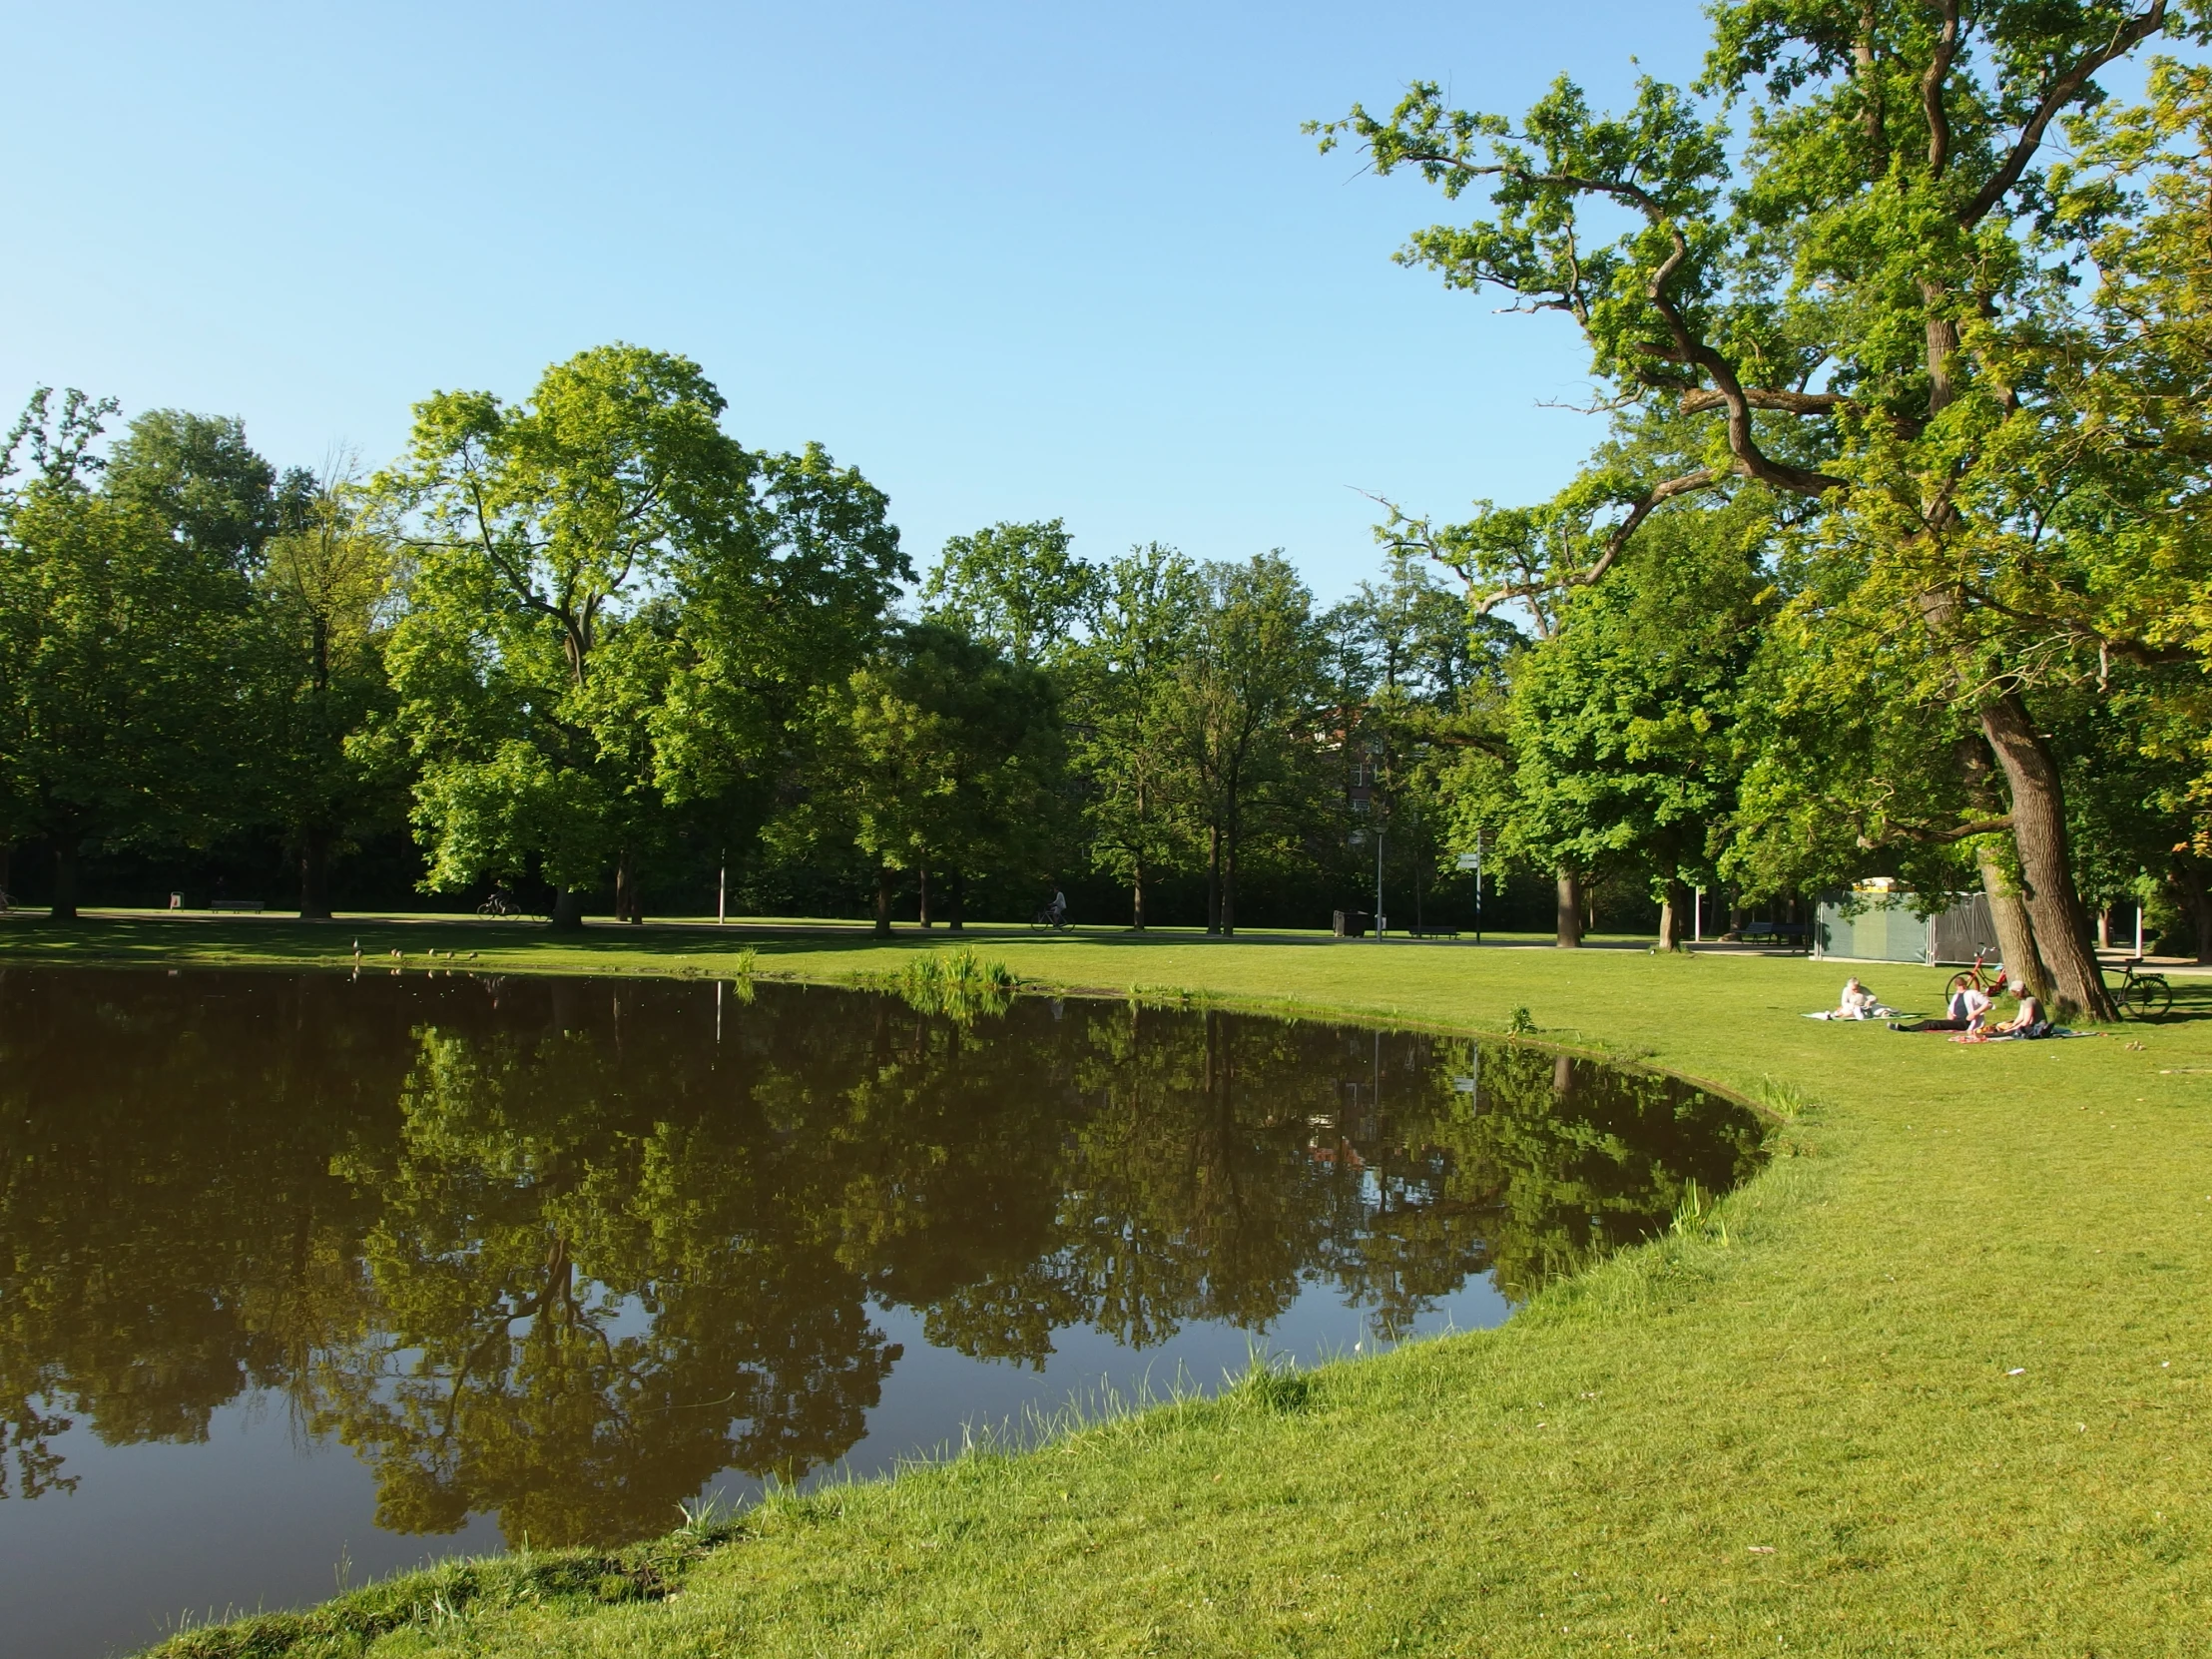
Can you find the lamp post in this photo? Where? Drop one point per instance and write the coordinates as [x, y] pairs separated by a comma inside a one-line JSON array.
[[1378, 916]]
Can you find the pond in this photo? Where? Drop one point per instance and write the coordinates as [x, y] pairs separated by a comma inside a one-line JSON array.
[[307, 1278]]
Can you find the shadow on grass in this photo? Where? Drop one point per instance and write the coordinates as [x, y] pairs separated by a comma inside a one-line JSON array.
[[153, 940]]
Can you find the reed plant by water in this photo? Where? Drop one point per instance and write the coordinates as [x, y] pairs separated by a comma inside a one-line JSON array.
[[958, 985]]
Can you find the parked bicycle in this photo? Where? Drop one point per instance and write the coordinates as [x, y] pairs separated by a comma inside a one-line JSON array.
[[2142, 995], [1976, 978]]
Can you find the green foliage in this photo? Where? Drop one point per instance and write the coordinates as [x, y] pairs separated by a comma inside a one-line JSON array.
[[1622, 721], [1145, 610], [127, 648], [613, 607], [198, 475], [1243, 706], [937, 753], [1016, 587]]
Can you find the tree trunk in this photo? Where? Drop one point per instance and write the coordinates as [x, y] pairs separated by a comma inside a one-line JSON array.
[[6, 853], [1135, 896], [955, 903], [2105, 927], [1570, 909], [2024, 963], [315, 874], [1229, 885], [882, 901], [1673, 912], [2061, 925], [64, 880], [568, 911], [2196, 897], [629, 902], [1213, 880], [921, 876]]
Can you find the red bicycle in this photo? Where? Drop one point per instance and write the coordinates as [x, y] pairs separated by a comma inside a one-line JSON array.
[[1975, 980]]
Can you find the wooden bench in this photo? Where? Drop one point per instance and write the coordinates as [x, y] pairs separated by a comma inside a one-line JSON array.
[[250, 904], [1431, 932]]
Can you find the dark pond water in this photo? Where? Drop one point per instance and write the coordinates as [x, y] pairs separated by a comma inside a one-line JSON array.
[[304, 1279]]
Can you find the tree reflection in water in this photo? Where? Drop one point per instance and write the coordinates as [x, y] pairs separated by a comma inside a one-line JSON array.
[[550, 1249]]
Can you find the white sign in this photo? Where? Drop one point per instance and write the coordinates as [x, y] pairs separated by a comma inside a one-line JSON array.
[[1471, 861]]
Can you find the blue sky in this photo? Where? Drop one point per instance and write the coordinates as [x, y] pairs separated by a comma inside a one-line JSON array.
[[1013, 262]]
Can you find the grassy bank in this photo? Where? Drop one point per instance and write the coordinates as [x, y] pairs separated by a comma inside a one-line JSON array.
[[1941, 1388]]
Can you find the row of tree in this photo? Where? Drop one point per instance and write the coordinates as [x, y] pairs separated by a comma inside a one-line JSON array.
[[573, 640], [1894, 562]]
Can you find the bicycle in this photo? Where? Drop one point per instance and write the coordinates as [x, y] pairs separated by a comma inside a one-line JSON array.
[[1973, 979], [2142, 995], [1048, 917], [499, 904]]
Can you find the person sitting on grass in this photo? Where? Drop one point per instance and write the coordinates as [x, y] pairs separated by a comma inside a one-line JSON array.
[[1968, 1008], [2028, 1022], [1858, 1002]]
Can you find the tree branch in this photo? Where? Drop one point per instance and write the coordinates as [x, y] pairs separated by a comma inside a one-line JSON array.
[[1703, 479], [1931, 90], [1926, 836], [1782, 402], [2062, 90]]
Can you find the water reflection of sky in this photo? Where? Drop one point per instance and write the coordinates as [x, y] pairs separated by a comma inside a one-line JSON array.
[[385, 1243], [261, 1516]]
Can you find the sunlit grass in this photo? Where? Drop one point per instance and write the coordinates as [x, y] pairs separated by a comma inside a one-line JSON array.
[[1936, 1382]]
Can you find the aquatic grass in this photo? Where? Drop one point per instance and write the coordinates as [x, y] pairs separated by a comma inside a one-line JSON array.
[[958, 985], [1698, 1216], [1784, 1097]]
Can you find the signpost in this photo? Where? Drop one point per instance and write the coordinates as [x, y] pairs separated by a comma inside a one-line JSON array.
[[1473, 862]]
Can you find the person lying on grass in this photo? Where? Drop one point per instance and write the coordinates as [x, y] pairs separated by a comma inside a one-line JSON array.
[[1968, 1009]]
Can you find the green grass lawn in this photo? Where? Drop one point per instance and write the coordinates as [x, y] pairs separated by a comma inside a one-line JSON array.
[[1940, 1389]]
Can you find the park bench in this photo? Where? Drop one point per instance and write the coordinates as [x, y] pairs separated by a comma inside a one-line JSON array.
[[1431, 932], [235, 905], [1776, 932]]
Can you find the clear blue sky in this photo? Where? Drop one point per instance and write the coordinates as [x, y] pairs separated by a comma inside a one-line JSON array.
[[1013, 262]]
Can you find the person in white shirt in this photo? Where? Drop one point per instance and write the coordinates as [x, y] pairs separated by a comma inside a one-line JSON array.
[[1968, 1008]]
